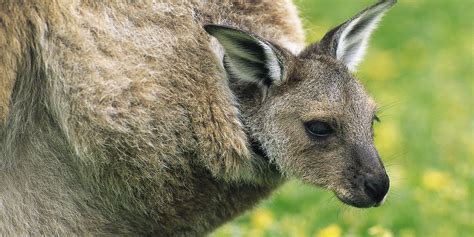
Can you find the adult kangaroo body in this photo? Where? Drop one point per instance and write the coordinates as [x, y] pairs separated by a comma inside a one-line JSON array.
[[123, 118], [105, 107]]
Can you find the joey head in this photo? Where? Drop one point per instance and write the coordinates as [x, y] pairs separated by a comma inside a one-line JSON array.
[[307, 112]]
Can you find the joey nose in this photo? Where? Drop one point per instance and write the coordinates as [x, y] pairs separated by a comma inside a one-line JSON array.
[[376, 187]]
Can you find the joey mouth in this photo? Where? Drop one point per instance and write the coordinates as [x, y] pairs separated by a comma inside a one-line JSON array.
[[355, 202], [358, 202]]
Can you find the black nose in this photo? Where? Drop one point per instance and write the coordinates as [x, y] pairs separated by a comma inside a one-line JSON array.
[[376, 187]]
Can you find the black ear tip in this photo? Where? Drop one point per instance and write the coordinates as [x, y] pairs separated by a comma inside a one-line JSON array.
[[210, 28]]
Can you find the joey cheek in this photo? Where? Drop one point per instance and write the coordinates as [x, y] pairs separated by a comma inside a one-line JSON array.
[[319, 167]]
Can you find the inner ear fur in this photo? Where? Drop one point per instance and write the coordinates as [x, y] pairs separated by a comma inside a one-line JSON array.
[[250, 58], [348, 41]]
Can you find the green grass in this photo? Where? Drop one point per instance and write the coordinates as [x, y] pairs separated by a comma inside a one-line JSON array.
[[420, 70]]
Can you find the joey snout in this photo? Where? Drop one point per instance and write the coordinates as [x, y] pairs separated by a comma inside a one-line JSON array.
[[366, 181]]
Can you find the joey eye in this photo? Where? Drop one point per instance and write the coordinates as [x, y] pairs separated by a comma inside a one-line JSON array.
[[319, 129]]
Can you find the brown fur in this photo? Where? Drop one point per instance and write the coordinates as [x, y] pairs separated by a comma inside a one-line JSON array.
[[119, 119]]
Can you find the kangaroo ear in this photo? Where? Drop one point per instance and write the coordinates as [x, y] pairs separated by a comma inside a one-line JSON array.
[[247, 57], [348, 41]]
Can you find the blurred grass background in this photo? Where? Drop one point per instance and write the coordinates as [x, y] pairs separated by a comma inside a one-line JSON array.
[[419, 68]]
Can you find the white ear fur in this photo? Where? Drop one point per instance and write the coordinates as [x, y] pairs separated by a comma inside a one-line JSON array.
[[353, 39], [248, 57], [272, 63], [241, 68]]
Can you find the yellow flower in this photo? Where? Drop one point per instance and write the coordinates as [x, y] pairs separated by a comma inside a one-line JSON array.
[[332, 230], [435, 180], [379, 231], [262, 219]]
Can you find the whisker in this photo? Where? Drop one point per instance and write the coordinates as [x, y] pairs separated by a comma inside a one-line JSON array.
[[387, 106]]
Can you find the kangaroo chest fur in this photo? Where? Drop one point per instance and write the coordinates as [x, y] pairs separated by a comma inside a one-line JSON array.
[[112, 115]]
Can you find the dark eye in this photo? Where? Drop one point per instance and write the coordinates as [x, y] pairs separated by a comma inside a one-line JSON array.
[[375, 119], [319, 129]]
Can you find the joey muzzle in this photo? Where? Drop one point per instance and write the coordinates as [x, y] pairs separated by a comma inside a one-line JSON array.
[[376, 187], [370, 183], [374, 177]]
